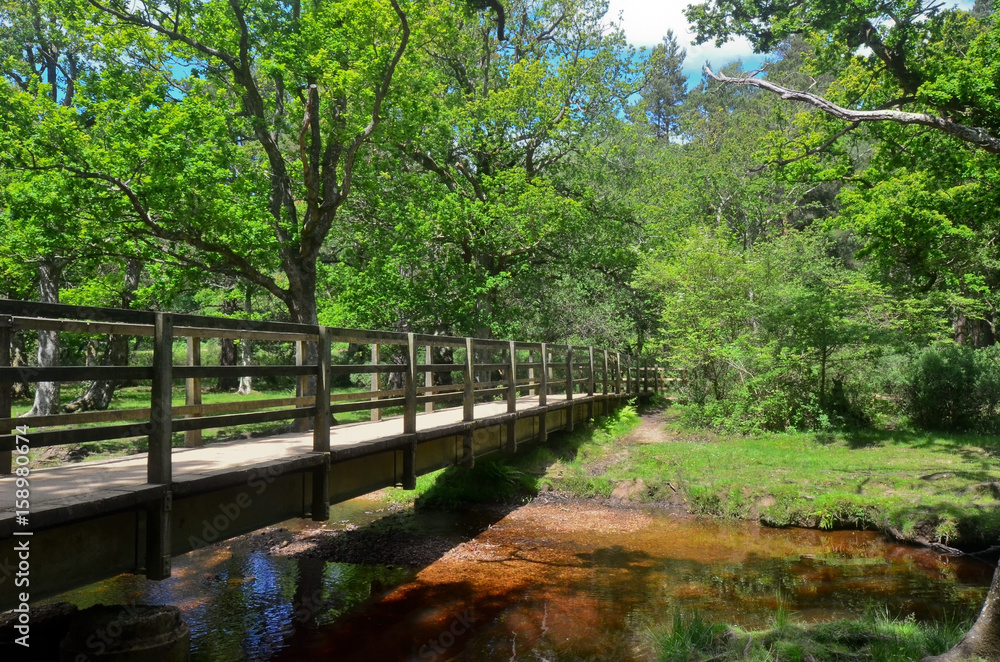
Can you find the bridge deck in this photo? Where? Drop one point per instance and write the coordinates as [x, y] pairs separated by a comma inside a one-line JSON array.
[[99, 485]]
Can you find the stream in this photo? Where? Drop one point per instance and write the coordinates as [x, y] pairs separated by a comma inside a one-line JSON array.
[[552, 580]]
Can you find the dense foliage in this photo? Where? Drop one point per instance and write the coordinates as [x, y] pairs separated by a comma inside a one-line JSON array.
[[516, 169]]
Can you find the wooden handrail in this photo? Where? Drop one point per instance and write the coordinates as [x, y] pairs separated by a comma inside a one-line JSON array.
[[543, 363]]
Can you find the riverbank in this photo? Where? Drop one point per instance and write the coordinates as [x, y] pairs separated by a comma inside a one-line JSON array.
[[937, 490]]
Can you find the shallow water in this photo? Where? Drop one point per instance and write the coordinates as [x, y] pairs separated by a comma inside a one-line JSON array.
[[564, 581]]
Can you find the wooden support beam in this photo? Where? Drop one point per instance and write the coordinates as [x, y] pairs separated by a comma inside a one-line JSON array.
[[320, 511], [410, 465], [468, 450], [410, 387], [158, 462], [376, 378], [192, 389], [6, 335], [468, 396]]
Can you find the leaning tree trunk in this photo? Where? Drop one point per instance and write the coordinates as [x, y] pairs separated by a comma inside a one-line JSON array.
[[98, 395], [983, 640], [47, 393]]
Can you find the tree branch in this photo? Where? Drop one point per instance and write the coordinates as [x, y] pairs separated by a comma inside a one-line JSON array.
[[815, 150], [973, 135]]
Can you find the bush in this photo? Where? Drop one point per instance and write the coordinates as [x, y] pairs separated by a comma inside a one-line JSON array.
[[954, 388]]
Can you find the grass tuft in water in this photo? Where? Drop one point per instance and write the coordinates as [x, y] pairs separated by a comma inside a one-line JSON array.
[[875, 636], [686, 635]]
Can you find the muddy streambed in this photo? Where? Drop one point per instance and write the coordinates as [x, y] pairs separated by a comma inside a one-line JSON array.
[[560, 580]]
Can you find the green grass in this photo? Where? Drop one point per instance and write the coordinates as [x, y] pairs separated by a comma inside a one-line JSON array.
[[875, 636], [940, 486], [507, 479]]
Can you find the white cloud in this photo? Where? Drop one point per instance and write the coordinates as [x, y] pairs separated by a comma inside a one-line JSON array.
[[645, 23]]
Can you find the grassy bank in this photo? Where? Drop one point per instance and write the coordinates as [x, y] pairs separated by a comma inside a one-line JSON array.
[[507, 479], [943, 488], [875, 637]]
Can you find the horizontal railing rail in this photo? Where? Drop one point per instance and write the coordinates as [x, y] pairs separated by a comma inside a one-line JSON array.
[[478, 369]]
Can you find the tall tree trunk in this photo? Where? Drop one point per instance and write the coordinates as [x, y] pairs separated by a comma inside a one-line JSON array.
[[983, 640], [227, 355], [47, 393], [99, 394], [19, 357], [246, 354]]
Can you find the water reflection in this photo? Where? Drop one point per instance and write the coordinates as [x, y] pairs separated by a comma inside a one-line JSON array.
[[555, 581]]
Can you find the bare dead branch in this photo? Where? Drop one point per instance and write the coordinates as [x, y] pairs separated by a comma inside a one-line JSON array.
[[973, 135]]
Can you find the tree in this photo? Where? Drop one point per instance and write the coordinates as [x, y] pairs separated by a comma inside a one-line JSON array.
[[666, 86], [265, 130], [478, 209], [924, 85]]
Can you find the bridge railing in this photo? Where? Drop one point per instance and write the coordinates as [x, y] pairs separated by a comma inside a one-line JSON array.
[[479, 370]]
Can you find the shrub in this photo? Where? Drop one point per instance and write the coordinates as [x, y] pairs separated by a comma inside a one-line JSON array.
[[954, 388]]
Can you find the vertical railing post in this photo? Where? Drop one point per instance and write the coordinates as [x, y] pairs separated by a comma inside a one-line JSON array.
[[628, 374], [410, 392], [644, 363], [531, 374], [468, 405], [604, 376], [158, 461], [429, 380], [511, 446], [6, 336], [512, 378], [376, 384], [301, 383], [543, 386], [590, 381], [323, 421], [543, 396], [410, 415], [468, 394], [321, 428], [618, 374], [570, 418], [192, 389], [590, 384]]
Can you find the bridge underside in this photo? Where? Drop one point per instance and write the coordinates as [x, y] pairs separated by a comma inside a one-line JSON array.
[[94, 520]]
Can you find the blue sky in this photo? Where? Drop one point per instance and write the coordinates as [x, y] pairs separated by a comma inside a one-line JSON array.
[[645, 22]]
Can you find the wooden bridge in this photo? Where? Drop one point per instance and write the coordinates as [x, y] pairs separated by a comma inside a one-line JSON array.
[[87, 521]]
